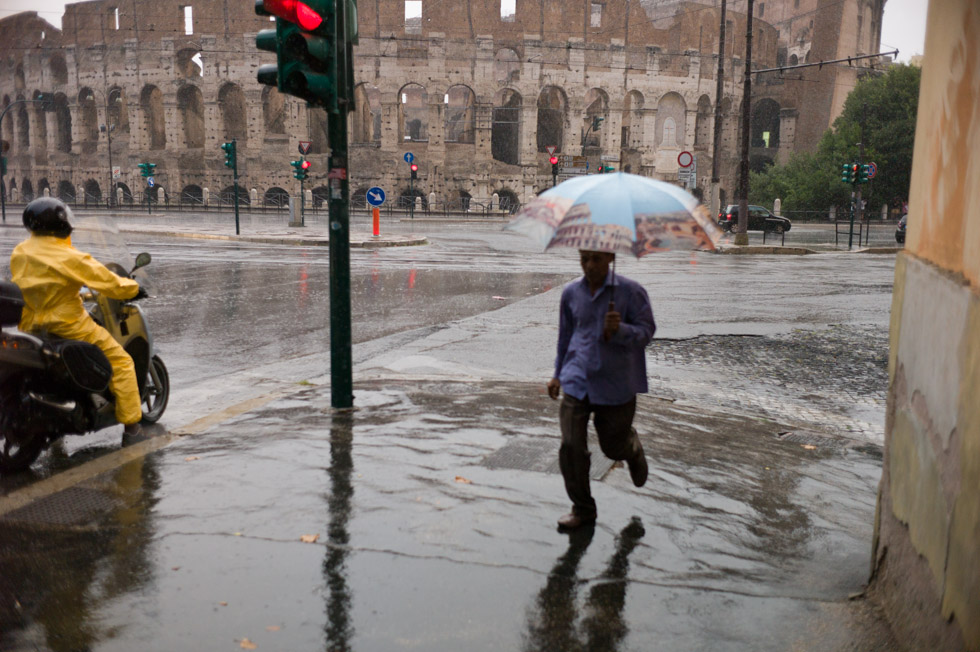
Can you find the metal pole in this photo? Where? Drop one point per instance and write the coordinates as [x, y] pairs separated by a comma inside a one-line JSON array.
[[742, 231], [341, 364], [411, 196], [719, 91], [234, 171]]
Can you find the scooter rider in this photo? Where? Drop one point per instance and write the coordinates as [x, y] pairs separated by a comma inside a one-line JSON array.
[[50, 272]]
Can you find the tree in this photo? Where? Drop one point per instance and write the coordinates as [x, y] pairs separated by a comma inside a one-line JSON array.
[[887, 105]]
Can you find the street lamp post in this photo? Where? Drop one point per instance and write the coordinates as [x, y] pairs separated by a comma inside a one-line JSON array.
[[107, 128]]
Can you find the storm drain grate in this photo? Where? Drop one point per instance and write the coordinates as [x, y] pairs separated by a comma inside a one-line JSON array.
[[541, 455], [72, 506], [810, 438]]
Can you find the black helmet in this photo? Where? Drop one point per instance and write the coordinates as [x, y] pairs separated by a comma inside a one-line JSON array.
[[48, 216]]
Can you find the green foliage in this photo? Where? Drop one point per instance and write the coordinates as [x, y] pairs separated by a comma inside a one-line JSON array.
[[887, 104]]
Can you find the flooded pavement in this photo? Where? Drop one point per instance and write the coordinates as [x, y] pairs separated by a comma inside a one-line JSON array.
[[429, 512], [739, 541]]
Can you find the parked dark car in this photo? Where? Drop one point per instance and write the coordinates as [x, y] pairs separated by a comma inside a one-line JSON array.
[[759, 218], [900, 230]]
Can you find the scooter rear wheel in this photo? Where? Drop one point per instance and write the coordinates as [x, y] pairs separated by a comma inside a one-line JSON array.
[[15, 456], [157, 391]]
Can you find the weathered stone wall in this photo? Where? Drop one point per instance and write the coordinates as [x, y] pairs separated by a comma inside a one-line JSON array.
[[927, 538]]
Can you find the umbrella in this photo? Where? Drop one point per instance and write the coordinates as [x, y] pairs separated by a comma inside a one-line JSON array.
[[617, 213]]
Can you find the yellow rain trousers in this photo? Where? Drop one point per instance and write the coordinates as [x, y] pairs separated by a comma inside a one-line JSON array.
[[50, 272]]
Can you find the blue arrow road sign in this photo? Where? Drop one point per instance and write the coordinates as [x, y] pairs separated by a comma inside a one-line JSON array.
[[150, 181], [375, 196], [409, 157]]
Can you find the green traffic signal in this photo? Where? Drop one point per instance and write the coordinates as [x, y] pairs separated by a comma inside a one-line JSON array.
[[231, 158], [146, 169], [864, 175]]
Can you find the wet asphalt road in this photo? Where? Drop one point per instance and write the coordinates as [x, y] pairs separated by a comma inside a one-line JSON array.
[[433, 504]]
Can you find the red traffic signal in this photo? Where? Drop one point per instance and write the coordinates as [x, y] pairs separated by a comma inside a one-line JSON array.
[[306, 165], [415, 167], [295, 12], [553, 160]]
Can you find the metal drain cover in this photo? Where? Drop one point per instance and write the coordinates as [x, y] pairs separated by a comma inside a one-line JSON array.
[[72, 506], [541, 455]]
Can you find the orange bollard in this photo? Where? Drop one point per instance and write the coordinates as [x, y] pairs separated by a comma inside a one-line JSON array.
[[377, 221]]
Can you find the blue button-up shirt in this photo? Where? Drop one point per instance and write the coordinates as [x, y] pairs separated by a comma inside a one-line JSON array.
[[607, 372]]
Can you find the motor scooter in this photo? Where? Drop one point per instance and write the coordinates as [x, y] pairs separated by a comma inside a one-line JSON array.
[[51, 387]]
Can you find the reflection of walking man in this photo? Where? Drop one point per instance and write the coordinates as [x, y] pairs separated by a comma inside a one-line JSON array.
[[601, 368]]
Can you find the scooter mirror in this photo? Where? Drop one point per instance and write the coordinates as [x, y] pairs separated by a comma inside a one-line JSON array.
[[142, 260]]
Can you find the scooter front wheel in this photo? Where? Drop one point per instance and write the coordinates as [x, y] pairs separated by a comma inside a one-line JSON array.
[[157, 391]]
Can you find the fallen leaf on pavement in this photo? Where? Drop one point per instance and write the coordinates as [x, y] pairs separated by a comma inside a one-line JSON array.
[[309, 538], [272, 628], [191, 458], [460, 479], [809, 447], [175, 568], [248, 645], [237, 534], [500, 298], [223, 604]]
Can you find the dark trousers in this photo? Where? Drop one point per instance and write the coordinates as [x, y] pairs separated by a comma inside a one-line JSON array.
[[617, 439]]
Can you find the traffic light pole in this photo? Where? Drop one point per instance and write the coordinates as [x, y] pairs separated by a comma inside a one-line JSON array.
[[234, 171], [341, 365], [411, 196]]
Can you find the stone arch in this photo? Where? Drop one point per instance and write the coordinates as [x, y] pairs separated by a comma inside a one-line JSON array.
[[40, 124], [118, 111], [366, 126], [66, 191], [191, 194], [127, 194], [632, 120], [63, 121], [552, 113], [93, 192], [505, 129], [23, 126], [43, 185], [58, 69], [89, 114], [318, 130], [189, 64], [275, 196], [227, 196], [273, 110], [408, 196], [8, 127], [793, 60], [26, 190], [765, 124], [459, 200], [19, 82], [702, 124], [506, 66], [671, 110], [151, 102], [190, 105], [413, 113], [596, 106], [231, 101], [460, 104], [509, 201], [321, 195]]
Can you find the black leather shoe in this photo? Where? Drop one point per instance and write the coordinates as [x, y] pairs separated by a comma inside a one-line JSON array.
[[573, 521], [638, 467]]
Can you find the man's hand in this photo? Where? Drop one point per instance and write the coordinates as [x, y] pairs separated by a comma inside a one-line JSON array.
[[554, 387], [611, 325]]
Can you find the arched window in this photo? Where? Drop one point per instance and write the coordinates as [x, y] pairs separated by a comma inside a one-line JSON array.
[[190, 104], [596, 112], [671, 110], [93, 193], [58, 70], [273, 110], [505, 130], [231, 101], [506, 66], [40, 124], [191, 194], [23, 126], [367, 115], [702, 128], [89, 115], [765, 124], [118, 111], [413, 106], [8, 125], [793, 60], [318, 130], [66, 191], [151, 103], [19, 83], [63, 120], [189, 63], [552, 107], [460, 109]]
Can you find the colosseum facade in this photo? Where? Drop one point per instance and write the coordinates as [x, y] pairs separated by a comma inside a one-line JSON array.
[[477, 91]]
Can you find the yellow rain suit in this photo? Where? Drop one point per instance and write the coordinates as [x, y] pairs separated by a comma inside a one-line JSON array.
[[50, 272]]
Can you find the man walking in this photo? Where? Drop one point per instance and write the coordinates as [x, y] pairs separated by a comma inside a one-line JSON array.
[[604, 326]]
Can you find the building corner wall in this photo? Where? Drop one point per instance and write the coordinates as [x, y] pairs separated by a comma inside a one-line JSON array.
[[926, 563]]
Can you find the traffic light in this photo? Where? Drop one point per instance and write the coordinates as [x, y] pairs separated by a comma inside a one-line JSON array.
[[554, 165], [304, 42], [230, 154], [864, 174], [596, 120], [146, 169], [850, 173], [299, 168], [415, 170]]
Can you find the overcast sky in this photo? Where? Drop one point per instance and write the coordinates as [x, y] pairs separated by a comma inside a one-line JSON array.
[[904, 25]]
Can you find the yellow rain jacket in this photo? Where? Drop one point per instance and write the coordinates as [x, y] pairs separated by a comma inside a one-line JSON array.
[[50, 272]]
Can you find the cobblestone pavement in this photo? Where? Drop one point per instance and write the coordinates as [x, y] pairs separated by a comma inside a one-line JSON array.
[[834, 380]]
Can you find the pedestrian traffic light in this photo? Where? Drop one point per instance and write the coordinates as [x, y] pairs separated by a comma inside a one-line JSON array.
[[146, 169], [554, 165], [415, 170], [304, 43], [231, 160], [864, 174], [300, 168]]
